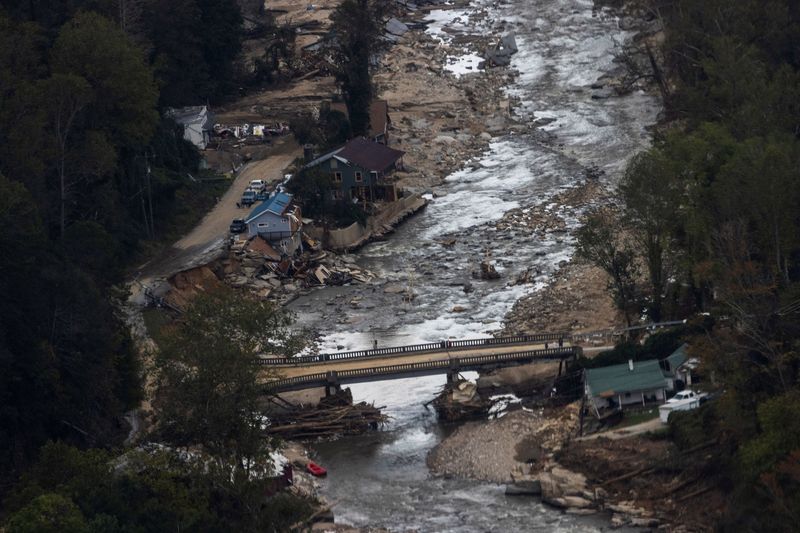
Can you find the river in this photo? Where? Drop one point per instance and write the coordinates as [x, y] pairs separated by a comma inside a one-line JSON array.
[[381, 479]]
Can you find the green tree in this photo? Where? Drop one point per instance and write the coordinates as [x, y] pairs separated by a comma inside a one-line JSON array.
[[49, 513], [356, 28], [209, 385], [652, 196], [601, 242]]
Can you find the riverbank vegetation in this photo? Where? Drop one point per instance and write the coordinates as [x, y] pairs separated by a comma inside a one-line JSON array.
[[709, 223]]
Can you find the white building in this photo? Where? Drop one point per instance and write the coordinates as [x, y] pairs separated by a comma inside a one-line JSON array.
[[197, 122]]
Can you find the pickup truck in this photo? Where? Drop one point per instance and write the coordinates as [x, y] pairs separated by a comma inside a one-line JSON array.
[[248, 198], [682, 401]]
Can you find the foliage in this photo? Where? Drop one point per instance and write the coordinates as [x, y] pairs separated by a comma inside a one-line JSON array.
[[194, 60], [66, 367], [600, 242], [711, 211], [209, 387], [356, 28], [150, 490]]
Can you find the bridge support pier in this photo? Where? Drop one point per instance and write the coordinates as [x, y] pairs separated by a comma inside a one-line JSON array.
[[332, 386], [452, 372]]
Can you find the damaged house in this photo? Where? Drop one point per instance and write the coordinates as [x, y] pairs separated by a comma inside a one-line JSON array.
[[197, 123], [278, 221], [359, 170]]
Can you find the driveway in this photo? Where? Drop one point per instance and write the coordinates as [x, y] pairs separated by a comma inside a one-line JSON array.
[[206, 241]]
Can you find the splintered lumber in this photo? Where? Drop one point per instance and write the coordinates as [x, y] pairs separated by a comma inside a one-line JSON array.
[[325, 421]]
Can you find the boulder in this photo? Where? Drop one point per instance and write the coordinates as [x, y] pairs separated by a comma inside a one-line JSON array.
[[395, 27]]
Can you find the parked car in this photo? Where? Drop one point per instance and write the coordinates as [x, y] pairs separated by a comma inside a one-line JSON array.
[[238, 226], [682, 401], [258, 185], [248, 198]]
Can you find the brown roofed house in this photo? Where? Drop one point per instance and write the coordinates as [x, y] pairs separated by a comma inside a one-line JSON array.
[[359, 169], [379, 120]]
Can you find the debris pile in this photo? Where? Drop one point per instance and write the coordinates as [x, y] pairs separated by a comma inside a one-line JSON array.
[[460, 401], [487, 271], [260, 267], [334, 416], [500, 54], [237, 135]]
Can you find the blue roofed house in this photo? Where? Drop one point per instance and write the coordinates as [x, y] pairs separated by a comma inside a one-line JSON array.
[[278, 221], [359, 170], [613, 387]]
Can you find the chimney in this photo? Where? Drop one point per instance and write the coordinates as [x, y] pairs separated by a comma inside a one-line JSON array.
[[308, 152], [630, 365]]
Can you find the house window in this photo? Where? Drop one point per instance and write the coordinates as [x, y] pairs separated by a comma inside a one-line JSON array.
[[359, 177], [337, 194], [374, 176], [334, 163], [337, 177], [263, 225]]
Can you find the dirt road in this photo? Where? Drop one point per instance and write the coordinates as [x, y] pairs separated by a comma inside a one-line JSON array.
[[206, 240]]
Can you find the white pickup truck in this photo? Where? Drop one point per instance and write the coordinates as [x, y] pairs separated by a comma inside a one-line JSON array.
[[683, 401]]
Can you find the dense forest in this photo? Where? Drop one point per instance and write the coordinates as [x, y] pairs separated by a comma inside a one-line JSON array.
[[709, 223], [92, 178]]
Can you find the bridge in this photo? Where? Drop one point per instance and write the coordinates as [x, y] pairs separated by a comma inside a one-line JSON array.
[[445, 357]]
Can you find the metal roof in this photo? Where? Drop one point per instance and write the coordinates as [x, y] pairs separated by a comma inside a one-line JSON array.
[[676, 359], [616, 379], [276, 204]]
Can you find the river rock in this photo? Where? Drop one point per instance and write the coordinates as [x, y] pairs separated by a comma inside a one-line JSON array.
[[393, 288], [524, 488]]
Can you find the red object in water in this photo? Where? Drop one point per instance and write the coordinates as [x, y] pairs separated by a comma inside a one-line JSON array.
[[316, 470]]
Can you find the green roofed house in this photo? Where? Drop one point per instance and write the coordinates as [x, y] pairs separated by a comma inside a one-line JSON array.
[[678, 367], [613, 387]]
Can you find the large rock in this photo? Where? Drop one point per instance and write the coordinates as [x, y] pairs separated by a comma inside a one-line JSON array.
[[395, 27]]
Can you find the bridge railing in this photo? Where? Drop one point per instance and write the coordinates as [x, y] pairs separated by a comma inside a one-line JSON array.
[[417, 348], [446, 365]]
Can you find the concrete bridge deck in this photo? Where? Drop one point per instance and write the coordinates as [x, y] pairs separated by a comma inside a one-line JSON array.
[[408, 361]]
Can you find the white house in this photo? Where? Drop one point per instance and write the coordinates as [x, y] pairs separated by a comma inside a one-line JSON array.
[[197, 122], [278, 222]]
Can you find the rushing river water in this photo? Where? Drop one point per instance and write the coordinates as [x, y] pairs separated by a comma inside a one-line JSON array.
[[381, 479]]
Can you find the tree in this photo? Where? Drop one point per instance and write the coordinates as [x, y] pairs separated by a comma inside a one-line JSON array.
[[652, 196], [49, 513], [601, 242], [209, 385], [356, 29]]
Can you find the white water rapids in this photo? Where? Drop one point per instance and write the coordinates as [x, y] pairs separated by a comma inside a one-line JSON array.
[[381, 479]]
